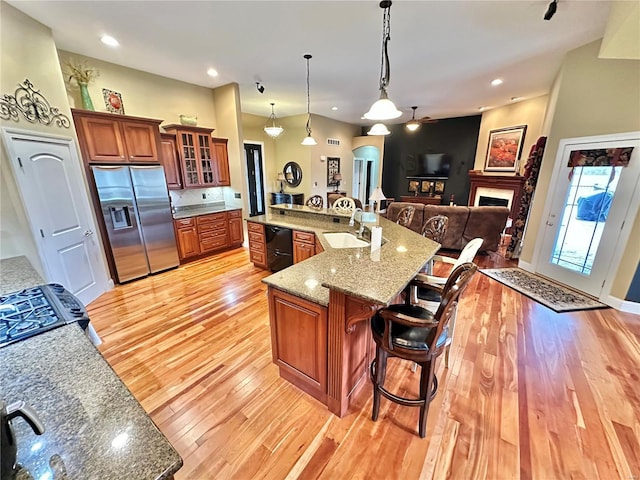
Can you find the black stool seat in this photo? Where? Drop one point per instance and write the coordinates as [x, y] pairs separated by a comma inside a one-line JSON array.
[[411, 332]]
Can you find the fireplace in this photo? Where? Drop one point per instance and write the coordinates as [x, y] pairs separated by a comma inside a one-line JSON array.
[[497, 190]]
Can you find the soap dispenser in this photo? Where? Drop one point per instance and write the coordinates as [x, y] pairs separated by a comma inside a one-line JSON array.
[[9, 447]]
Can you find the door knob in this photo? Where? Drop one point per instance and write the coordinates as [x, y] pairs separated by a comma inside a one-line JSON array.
[[88, 233]]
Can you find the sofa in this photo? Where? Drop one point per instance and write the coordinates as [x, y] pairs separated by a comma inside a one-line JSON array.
[[465, 223]]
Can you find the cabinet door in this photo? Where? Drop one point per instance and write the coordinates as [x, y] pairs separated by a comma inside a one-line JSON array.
[[302, 251], [169, 160], [206, 159], [189, 164], [141, 141], [103, 139], [236, 235], [221, 162], [188, 242]]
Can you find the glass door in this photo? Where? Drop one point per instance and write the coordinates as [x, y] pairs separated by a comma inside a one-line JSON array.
[[594, 187]]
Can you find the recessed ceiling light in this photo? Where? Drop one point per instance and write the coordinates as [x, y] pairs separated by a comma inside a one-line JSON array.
[[109, 40], [496, 81], [482, 108], [515, 99], [212, 72], [334, 108]]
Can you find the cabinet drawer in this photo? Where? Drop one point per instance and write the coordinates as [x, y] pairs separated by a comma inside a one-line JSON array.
[[255, 227], [235, 213], [213, 243], [185, 222], [257, 257], [256, 238], [304, 237], [217, 225], [258, 247], [212, 234], [212, 218]]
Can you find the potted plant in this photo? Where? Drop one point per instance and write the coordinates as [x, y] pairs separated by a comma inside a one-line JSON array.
[[82, 74]]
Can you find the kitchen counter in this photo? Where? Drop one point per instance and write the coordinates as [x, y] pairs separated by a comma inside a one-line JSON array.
[[16, 273], [376, 277], [94, 427], [196, 210]]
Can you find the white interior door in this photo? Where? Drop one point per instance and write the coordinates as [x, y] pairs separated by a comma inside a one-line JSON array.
[[47, 170], [583, 235]]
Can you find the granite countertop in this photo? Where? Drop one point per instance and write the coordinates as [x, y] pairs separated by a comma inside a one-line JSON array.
[[16, 273], [204, 209], [377, 277], [94, 427]]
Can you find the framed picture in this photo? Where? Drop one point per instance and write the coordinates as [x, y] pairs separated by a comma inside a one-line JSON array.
[[426, 186], [113, 101], [414, 185], [439, 188], [333, 167], [504, 149]]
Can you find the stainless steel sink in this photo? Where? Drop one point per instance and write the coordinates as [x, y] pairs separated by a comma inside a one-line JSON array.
[[344, 240]]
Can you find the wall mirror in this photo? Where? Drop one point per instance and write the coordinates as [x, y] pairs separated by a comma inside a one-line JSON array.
[[292, 174]]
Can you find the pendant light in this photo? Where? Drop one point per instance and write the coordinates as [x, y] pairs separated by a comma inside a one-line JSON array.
[[413, 125], [383, 108], [308, 140], [272, 128], [378, 129]]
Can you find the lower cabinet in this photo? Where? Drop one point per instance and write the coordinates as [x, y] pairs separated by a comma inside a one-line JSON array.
[[257, 244], [299, 341], [206, 234], [304, 245]]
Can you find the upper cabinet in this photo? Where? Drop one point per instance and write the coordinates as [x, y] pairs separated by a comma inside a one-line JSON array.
[[170, 161], [112, 138], [203, 159]]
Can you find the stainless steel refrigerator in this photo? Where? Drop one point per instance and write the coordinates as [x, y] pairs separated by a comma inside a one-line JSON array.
[[137, 214]]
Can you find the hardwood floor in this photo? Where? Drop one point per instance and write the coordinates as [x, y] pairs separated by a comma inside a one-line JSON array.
[[529, 393]]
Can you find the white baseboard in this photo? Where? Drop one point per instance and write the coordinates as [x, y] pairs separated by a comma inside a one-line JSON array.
[[622, 305], [526, 266]]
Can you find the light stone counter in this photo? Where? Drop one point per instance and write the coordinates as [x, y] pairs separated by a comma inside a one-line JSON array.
[[204, 209], [94, 427], [16, 273], [376, 277]]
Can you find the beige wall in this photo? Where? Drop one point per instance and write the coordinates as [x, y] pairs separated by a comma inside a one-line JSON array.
[[27, 50], [595, 97], [253, 131], [527, 112]]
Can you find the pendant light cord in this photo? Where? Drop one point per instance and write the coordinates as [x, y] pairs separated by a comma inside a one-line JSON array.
[[385, 69], [307, 56]]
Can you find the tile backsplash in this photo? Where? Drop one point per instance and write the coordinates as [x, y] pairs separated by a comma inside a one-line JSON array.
[[194, 196]]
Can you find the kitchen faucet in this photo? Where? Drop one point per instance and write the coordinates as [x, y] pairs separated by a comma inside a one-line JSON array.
[[352, 221]]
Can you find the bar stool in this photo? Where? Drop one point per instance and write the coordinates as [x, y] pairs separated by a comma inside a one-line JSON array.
[[405, 216], [414, 333]]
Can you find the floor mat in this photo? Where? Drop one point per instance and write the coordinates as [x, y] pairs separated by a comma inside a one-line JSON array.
[[557, 297]]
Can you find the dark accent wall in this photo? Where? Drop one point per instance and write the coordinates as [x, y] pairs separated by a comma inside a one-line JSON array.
[[633, 295], [456, 137]]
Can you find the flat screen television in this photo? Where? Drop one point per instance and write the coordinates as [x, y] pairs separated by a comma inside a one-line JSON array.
[[433, 165]]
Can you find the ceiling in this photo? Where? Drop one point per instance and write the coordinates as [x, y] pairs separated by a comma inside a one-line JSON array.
[[443, 54]]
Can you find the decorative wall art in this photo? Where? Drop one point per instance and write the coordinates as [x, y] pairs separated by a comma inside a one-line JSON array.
[[333, 167], [504, 149], [439, 188], [113, 101], [427, 186], [414, 186], [32, 105]]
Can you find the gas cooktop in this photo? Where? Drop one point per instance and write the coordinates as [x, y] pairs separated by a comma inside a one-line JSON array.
[[35, 310]]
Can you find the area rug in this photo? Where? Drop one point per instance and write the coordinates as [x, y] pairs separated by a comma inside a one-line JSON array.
[[557, 297]]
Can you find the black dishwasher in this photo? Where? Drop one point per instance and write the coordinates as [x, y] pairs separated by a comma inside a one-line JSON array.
[[279, 247]]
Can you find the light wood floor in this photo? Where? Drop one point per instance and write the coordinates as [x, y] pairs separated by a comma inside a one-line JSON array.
[[529, 393]]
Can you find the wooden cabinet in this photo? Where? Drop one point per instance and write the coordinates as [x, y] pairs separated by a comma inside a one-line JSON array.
[[437, 200], [203, 160], [257, 244], [236, 234], [299, 342], [187, 237], [170, 162], [221, 162], [111, 138], [304, 245], [213, 232], [278, 198]]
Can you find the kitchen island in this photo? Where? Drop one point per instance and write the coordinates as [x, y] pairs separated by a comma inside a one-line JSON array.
[[319, 308]]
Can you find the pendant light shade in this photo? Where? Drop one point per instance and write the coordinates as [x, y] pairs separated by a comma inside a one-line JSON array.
[[273, 128], [378, 129], [308, 140], [413, 125], [383, 108]]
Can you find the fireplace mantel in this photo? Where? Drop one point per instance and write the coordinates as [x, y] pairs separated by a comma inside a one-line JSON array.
[[511, 184]]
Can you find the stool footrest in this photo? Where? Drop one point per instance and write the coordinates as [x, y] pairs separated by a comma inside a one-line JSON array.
[[408, 402]]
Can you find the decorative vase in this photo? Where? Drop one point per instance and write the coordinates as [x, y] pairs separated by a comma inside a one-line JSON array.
[[186, 120], [87, 104]]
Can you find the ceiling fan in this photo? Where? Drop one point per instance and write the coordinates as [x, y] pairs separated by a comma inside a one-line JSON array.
[[414, 124]]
